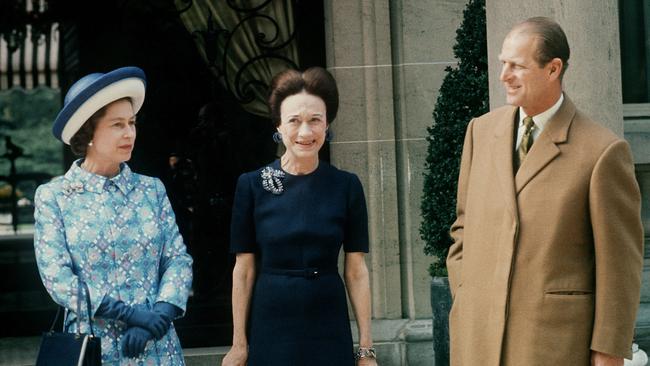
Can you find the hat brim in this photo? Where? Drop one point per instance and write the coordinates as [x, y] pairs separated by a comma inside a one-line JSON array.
[[110, 87]]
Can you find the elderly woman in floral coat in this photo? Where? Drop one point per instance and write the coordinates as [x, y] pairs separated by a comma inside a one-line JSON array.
[[113, 229]]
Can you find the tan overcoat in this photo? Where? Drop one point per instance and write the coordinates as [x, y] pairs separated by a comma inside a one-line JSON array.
[[546, 265]]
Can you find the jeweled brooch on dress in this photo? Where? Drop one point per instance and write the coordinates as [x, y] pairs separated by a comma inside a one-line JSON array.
[[272, 180], [73, 187]]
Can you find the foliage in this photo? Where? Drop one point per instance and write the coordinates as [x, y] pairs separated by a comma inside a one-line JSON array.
[[26, 116], [463, 95]]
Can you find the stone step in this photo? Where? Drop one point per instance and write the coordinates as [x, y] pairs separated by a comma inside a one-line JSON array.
[[398, 342], [208, 356], [22, 351]]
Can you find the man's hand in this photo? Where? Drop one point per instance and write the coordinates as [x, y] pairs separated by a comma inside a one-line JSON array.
[[602, 359]]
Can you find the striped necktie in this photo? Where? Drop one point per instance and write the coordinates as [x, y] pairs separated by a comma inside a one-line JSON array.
[[526, 141]]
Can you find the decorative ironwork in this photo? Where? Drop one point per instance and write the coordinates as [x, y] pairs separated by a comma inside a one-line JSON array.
[[165, 9], [252, 9], [16, 15], [37, 20], [219, 43], [188, 5]]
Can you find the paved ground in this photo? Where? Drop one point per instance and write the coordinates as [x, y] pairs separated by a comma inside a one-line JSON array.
[[22, 352], [18, 351]]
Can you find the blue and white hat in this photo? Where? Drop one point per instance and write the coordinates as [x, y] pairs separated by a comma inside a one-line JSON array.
[[92, 92]]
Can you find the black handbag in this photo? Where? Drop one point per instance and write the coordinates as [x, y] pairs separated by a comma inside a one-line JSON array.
[[71, 349]]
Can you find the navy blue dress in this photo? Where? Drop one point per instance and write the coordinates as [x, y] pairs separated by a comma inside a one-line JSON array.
[[296, 226]]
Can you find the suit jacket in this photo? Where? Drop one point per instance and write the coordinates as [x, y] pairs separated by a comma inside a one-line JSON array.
[[546, 265]]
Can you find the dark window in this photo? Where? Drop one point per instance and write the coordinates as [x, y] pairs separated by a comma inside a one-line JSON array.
[[634, 22]]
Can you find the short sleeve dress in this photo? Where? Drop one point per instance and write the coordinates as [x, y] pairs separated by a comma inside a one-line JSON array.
[[296, 226]]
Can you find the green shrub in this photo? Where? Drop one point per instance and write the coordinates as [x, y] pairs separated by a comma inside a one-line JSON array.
[[463, 95]]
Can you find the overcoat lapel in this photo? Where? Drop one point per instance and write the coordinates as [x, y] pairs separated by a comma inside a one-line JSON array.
[[502, 154], [545, 149]]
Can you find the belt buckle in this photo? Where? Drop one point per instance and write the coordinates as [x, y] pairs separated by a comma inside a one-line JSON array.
[[311, 272]]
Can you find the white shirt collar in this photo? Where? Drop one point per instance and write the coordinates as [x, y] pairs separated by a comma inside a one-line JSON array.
[[542, 119]]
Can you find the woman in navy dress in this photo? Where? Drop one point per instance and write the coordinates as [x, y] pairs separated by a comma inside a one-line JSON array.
[[290, 220]]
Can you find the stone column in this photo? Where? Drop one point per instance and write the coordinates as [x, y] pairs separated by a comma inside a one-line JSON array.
[[593, 79], [359, 56], [388, 58], [423, 34]]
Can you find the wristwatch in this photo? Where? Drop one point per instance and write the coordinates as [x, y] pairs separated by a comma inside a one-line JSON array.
[[365, 352]]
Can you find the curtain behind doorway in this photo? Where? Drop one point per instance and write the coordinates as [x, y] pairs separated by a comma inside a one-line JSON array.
[[244, 44]]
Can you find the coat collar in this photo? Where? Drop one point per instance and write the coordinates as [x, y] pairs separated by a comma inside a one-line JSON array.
[[544, 149], [78, 178]]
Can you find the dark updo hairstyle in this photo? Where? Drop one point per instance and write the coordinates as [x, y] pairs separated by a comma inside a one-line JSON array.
[[79, 141], [315, 81]]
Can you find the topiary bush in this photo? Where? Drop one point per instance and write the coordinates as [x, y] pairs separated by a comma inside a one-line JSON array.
[[463, 95]]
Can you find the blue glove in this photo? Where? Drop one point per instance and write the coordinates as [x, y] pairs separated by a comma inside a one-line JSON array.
[[155, 322], [134, 341], [167, 309], [113, 309]]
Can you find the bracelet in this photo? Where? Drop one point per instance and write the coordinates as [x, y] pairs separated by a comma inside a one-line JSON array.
[[365, 352]]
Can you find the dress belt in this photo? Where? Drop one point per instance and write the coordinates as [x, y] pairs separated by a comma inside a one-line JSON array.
[[309, 272]]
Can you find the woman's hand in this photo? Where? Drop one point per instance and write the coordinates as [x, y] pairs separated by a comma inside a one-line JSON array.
[[367, 361], [156, 322], [357, 281], [237, 356], [243, 277], [134, 341]]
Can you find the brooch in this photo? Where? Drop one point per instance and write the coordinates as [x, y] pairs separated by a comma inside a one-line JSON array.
[[73, 187], [272, 180]]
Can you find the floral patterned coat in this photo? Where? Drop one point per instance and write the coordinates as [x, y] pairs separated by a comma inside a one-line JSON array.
[[119, 235]]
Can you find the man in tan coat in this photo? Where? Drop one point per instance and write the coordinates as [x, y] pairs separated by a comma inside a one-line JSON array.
[[546, 263]]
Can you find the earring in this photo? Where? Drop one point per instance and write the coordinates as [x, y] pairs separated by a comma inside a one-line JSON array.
[[90, 143], [329, 135], [277, 137]]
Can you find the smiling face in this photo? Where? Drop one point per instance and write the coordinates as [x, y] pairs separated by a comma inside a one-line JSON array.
[[528, 85], [303, 124], [114, 135]]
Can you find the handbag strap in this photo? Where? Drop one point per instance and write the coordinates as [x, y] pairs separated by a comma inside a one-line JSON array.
[[56, 317], [82, 286], [90, 318]]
